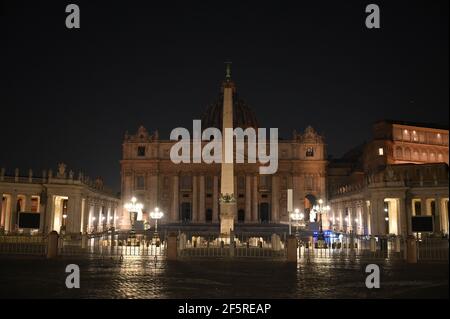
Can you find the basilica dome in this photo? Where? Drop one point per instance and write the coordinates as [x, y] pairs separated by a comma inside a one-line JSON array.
[[243, 115]]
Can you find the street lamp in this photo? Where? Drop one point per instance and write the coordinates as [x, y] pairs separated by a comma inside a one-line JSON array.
[[297, 216], [134, 208], [156, 214], [320, 209]]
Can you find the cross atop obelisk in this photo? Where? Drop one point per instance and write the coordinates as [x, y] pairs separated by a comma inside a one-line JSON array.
[[228, 71], [227, 198]]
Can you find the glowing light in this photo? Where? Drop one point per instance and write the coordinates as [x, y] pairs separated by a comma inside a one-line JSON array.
[[296, 215], [386, 210], [386, 218], [156, 214], [64, 216]]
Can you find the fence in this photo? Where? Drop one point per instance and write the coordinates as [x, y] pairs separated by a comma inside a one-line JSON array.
[[120, 245], [23, 245], [231, 252], [432, 249]]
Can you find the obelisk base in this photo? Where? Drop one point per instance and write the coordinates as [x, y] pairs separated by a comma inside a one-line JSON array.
[[227, 218]]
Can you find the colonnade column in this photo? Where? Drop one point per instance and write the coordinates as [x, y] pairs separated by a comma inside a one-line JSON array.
[[255, 199], [194, 198], [202, 199], [215, 218], [248, 198], [275, 198], [174, 214]]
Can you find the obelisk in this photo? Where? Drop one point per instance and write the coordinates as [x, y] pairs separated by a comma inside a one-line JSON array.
[[227, 198]]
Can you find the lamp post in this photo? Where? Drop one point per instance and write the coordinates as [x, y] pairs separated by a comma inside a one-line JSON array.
[[133, 208], [320, 209], [297, 216], [156, 214]]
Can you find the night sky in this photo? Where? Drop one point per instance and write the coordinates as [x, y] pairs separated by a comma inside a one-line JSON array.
[[70, 95]]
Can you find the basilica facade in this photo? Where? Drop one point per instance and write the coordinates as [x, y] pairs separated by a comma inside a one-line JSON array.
[[189, 193]]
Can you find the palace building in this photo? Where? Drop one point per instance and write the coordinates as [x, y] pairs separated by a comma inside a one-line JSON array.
[[376, 188]]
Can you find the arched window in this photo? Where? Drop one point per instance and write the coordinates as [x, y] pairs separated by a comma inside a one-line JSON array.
[[440, 158], [141, 151], [407, 153], [415, 155], [432, 157], [424, 156], [399, 152], [309, 152]]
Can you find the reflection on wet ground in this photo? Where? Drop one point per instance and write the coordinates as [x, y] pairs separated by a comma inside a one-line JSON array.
[[146, 278]]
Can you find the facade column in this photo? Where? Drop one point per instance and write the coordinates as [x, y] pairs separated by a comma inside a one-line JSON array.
[[236, 197], [2, 211], [73, 222], [194, 198], [444, 213], [409, 213], [85, 216], [373, 209], [437, 215], [381, 216], [424, 207], [275, 198], [402, 216], [175, 213], [154, 191], [255, 199], [49, 214], [364, 218], [97, 222], [201, 205], [215, 199], [298, 201], [248, 198], [9, 212]]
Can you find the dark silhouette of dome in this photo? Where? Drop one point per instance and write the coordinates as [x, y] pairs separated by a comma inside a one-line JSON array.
[[243, 116]]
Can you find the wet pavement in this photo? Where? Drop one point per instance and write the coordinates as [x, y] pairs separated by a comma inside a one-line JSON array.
[[143, 277]]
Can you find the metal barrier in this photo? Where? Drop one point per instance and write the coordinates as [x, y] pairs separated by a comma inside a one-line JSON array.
[[111, 246], [229, 252], [23, 245], [432, 249]]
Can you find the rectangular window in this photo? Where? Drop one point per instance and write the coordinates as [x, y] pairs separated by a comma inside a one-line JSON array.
[[381, 151], [34, 204], [140, 182]]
